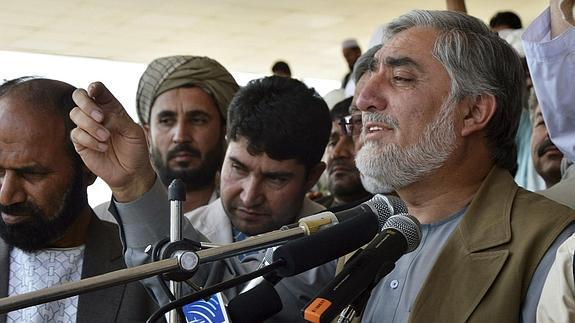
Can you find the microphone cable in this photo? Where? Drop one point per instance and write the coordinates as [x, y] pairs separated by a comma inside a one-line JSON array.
[[214, 289]]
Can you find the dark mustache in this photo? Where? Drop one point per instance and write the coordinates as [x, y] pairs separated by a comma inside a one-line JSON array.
[[544, 145], [20, 209], [339, 162], [183, 148]]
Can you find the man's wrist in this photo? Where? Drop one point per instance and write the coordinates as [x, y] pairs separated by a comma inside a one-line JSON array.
[[141, 184]]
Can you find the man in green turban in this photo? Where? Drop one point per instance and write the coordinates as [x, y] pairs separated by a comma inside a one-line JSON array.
[[182, 103]]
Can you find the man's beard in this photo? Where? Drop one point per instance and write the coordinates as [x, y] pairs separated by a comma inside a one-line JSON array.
[[194, 178], [374, 186], [397, 167], [40, 231]]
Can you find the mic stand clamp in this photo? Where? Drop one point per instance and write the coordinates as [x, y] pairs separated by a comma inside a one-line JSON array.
[[182, 246]]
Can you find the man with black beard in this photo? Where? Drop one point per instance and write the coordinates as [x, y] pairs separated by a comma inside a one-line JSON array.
[[182, 103], [49, 233]]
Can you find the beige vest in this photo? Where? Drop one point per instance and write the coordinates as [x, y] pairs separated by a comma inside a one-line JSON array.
[[484, 269]]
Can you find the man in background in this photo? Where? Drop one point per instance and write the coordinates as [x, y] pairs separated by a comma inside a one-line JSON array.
[[281, 68], [49, 234], [343, 179], [277, 132], [351, 52], [546, 156], [182, 103]]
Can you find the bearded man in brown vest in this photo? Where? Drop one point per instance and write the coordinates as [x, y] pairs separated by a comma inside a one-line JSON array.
[[440, 112]]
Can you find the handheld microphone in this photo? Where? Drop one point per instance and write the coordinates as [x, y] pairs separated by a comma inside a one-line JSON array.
[[401, 234]]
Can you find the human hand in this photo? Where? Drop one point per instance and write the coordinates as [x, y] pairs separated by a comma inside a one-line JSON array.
[[110, 143]]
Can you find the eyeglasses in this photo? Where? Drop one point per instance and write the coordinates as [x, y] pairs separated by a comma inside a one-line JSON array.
[[351, 125]]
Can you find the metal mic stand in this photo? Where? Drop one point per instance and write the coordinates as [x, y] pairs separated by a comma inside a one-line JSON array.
[[176, 195], [184, 260]]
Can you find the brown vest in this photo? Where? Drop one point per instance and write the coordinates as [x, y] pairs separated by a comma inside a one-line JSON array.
[[483, 272]]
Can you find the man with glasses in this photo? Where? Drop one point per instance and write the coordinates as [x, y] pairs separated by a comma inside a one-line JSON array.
[[344, 183]]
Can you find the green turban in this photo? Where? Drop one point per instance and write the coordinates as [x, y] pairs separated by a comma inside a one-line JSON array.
[[168, 73]]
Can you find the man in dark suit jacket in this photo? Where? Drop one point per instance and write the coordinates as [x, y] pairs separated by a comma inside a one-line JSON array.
[[49, 234]]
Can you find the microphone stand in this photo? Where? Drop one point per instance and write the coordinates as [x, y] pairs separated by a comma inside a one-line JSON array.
[[176, 196], [184, 260]]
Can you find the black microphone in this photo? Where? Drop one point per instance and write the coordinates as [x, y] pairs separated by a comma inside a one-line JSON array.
[[379, 206], [262, 302], [308, 252], [401, 234], [298, 256], [255, 305]]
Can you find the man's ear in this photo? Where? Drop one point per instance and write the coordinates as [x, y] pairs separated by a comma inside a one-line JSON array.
[[313, 175], [477, 114]]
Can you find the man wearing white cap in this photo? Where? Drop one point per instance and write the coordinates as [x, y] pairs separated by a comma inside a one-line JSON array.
[[351, 52]]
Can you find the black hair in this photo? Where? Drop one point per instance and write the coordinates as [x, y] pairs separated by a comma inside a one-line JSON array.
[[54, 96], [506, 18], [340, 109], [281, 67], [281, 117]]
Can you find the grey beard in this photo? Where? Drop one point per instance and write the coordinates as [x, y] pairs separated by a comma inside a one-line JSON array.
[[391, 166]]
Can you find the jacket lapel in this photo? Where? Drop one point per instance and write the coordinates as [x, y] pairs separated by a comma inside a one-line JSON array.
[[103, 254], [470, 254], [5, 270]]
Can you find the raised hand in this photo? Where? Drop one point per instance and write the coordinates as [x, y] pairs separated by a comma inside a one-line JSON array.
[[110, 143]]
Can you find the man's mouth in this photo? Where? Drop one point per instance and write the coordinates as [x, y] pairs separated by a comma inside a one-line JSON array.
[[10, 219]]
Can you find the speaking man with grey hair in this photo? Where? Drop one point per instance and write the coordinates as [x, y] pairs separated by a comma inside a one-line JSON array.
[[440, 111]]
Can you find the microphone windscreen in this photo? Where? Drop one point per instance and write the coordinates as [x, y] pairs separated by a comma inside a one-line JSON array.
[[386, 206], [306, 253], [255, 305]]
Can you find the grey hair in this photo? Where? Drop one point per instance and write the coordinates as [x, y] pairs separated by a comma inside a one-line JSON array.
[[363, 63], [478, 62]]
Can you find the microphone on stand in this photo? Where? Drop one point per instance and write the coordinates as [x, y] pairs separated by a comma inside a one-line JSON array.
[[380, 206], [188, 261], [401, 234], [297, 256]]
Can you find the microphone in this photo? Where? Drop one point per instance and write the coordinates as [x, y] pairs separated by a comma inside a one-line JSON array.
[[297, 256], [189, 261], [247, 307], [380, 206], [401, 234], [305, 253]]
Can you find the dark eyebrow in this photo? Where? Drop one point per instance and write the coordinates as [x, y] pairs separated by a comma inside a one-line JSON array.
[[278, 174], [165, 113], [235, 160], [189, 114], [266, 174], [402, 61]]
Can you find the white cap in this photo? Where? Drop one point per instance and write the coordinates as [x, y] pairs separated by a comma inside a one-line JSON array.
[[333, 97]]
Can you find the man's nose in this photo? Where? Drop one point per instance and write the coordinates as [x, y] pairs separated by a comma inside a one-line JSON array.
[[11, 190]]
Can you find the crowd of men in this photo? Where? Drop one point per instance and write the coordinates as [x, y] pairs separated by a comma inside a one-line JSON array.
[[434, 119]]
